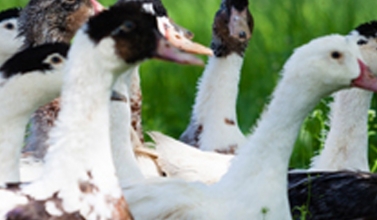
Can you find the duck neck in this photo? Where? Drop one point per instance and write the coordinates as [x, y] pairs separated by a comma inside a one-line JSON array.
[[265, 157], [12, 132], [346, 145], [21, 95], [215, 103], [122, 149], [80, 148]]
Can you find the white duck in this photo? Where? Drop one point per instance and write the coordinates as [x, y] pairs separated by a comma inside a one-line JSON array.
[[258, 174], [79, 180], [346, 145], [24, 88], [358, 102], [9, 42], [213, 125]]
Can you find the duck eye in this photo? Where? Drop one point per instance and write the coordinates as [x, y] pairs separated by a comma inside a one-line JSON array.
[[9, 26], [361, 42], [336, 55], [128, 26], [56, 60]]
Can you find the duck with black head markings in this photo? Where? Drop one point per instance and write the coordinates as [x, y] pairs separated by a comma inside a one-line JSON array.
[[258, 174], [176, 35], [9, 42], [79, 180], [213, 125], [24, 88], [129, 168]]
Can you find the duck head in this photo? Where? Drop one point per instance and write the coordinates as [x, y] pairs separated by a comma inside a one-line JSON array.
[[136, 35], [175, 34], [54, 20], [329, 63], [34, 76], [232, 28], [9, 43]]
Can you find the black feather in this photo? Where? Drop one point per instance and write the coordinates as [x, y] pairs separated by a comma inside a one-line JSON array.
[[368, 29], [132, 45], [9, 13], [31, 59], [342, 195], [240, 5]]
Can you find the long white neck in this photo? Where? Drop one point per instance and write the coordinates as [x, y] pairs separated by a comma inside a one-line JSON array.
[[80, 148], [260, 169], [123, 154], [346, 145], [20, 96], [215, 104], [12, 133]]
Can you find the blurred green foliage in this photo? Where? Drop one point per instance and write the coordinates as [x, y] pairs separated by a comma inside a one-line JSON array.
[[280, 26]]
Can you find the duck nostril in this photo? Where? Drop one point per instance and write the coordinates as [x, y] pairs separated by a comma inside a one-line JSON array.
[[242, 34]]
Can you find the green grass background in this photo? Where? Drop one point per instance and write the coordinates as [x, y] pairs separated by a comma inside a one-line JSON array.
[[280, 26]]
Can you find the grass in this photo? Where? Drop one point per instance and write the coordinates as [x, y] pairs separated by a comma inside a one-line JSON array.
[[280, 26]]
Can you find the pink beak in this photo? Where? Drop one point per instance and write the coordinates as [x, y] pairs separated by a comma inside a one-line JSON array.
[[97, 6], [166, 51], [180, 38], [366, 79]]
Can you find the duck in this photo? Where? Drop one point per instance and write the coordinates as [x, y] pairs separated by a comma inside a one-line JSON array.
[[179, 37], [9, 42], [33, 84], [346, 144], [191, 167], [213, 125], [43, 21], [142, 161], [258, 174], [76, 184]]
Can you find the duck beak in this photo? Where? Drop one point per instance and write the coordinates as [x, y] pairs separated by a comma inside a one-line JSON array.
[[238, 25], [180, 37], [366, 79], [166, 51], [97, 7], [117, 96]]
